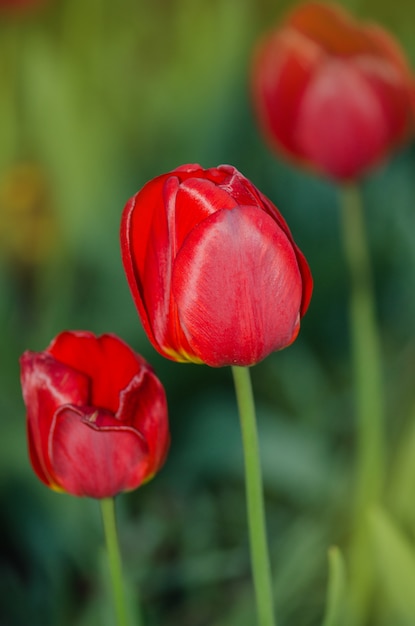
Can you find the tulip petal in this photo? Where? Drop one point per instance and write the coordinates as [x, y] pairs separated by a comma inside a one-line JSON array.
[[333, 28], [107, 361], [147, 248], [307, 281], [205, 197], [135, 231], [166, 333], [46, 385], [143, 406], [339, 34], [93, 455], [237, 287], [340, 125], [389, 88], [304, 268], [241, 189], [282, 68]]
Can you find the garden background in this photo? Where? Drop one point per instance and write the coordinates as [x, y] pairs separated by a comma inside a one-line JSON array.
[[97, 97]]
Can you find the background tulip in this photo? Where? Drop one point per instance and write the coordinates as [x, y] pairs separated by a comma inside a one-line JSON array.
[[213, 268], [330, 92], [96, 415]]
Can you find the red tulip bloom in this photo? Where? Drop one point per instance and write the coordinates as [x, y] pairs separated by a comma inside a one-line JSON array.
[[331, 93], [96, 415], [213, 268]]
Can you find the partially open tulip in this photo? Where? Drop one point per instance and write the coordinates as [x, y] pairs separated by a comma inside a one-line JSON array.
[[96, 415], [213, 268], [331, 93]]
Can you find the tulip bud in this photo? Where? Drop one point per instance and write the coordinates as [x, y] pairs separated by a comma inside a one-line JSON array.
[[330, 93], [213, 268], [96, 415]]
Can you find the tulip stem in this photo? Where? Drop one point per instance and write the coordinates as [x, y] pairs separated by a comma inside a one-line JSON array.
[[255, 498], [366, 358], [114, 558]]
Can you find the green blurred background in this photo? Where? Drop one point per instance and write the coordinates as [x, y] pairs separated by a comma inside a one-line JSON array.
[[96, 97]]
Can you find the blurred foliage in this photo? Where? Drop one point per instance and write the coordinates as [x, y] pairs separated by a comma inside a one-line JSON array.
[[96, 98]]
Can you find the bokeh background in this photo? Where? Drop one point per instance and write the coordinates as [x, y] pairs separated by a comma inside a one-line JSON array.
[[96, 97]]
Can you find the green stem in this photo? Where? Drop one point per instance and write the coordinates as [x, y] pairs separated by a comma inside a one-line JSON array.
[[255, 498], [366, 355], [366, 352], [114, 558]]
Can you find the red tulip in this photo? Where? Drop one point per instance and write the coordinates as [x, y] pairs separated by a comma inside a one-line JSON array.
[[331, 93], [213, 268], [96, 415]]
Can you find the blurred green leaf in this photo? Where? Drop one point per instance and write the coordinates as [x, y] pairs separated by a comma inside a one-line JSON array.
[[395, 560], [336, 589], [402, 484]]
